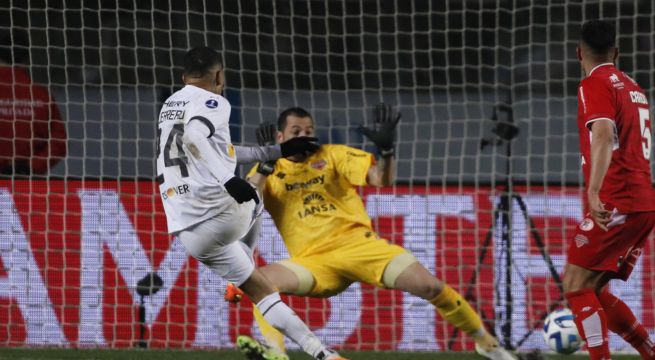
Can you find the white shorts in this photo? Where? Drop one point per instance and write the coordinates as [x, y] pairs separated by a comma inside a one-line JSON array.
[[214, 242]]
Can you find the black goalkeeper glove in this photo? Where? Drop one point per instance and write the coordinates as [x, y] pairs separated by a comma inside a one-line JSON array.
[[384, 136], [241, 190], [266, 134], [305, 145]]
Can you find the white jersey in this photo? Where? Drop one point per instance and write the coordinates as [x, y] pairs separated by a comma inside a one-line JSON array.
[[189, 191]]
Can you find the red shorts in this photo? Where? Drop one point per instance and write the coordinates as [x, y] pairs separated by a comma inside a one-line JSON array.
[[616, 250]]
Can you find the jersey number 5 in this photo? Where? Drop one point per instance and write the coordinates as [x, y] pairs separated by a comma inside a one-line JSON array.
[[646, 137], [175, 136]]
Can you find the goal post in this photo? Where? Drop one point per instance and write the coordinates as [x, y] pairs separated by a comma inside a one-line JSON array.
[[487, 92]]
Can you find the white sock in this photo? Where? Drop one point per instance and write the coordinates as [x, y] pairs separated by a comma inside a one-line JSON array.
[[281, 317], [593, 330]]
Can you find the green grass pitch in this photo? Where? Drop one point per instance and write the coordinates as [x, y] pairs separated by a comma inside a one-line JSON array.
[[66, 354]]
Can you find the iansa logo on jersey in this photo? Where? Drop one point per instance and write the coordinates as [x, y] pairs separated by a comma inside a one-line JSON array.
[[175, 190], [211, 103], [316, 209], [313, 197]]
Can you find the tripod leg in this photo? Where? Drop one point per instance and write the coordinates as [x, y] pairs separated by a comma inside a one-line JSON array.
[[544, 254], [506, 231], [540, 245], [142, 324]]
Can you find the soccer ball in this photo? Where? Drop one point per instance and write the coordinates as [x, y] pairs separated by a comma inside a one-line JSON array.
[[560, 332]]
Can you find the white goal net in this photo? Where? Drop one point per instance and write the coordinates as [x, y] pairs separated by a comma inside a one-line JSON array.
[[488, 188]]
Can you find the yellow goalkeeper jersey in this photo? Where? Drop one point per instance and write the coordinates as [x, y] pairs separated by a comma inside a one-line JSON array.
[[315, 204]]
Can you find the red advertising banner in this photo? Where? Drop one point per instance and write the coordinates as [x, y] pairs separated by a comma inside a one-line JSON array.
[[72, 252]]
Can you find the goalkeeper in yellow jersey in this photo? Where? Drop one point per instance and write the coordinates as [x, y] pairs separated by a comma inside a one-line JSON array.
[[314, 203]]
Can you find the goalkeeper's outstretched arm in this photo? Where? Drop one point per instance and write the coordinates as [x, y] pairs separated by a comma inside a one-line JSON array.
[[383, 173], [383, 136]]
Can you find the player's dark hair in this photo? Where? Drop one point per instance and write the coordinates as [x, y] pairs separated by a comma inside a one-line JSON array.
[[599, 36], [295, 111], [200, 60]]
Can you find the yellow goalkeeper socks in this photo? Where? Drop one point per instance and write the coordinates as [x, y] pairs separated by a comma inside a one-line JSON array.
[[457, 311], [274, 338]]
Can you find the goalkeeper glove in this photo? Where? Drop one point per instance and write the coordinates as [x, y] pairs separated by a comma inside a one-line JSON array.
[[241, 190], [385, 135], [266, 168], [305, 145], [266, 134]]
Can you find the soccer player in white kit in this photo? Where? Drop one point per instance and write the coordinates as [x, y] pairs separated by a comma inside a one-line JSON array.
[[206, 205]]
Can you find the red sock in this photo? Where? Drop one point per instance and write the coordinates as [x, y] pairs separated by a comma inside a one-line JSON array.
[[590, 321], [623, 322]]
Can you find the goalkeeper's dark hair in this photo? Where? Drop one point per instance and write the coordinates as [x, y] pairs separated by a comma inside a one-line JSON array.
[[295, 111], [200, 60], [599, 36]]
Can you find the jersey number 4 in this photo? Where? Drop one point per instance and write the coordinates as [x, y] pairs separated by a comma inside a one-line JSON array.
[[174, 137], [644, 127]]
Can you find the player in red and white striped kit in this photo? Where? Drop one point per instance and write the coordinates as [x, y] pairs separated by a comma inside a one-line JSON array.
[[615, 142]]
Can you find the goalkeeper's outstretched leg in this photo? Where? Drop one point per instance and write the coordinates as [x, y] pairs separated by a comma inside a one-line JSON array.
[[407, 274], [414, 278]]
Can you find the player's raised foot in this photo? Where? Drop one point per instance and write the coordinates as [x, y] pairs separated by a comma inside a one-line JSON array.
[[494, 353], [255, 350], [329, 354], [232, 293]]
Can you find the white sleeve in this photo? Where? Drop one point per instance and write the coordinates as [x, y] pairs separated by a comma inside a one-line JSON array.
[[195, 139], [216, 116], [251, 154]]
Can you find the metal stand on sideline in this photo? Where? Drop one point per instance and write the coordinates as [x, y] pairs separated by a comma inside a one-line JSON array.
[[505, 131], [147, 286]]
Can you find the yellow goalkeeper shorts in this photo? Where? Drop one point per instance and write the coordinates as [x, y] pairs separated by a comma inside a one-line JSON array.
[[364, 259]]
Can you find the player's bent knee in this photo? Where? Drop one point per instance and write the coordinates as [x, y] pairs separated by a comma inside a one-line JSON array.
[[257, 286], [577, 278], [305, 277], [233, 261], [396, 267], [571, 281], [434, 289]]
